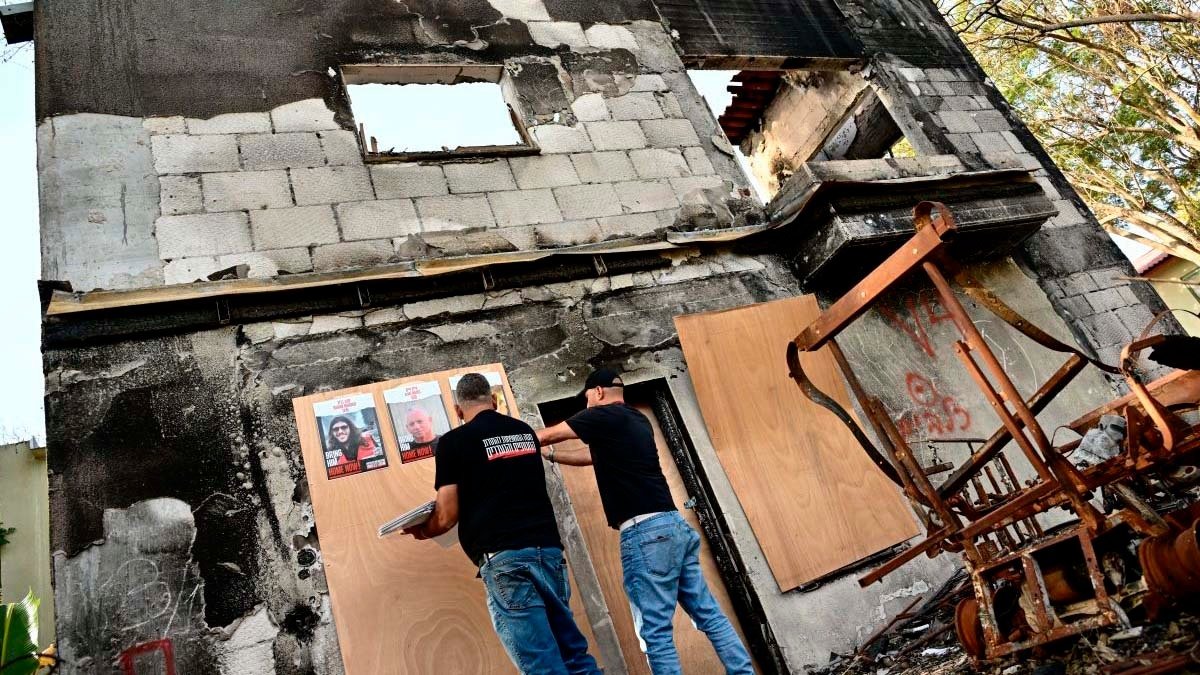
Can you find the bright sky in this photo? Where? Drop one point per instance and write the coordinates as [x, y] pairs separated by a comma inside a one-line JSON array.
[[20, 257], [453, 115], [20, 361]]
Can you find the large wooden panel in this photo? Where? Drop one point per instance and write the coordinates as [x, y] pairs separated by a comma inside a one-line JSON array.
[[695, 652], [400, 605], [815, 501]]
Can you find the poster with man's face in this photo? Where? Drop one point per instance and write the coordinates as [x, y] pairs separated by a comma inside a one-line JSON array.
[[497, 383], [349, 428], [419, 418]]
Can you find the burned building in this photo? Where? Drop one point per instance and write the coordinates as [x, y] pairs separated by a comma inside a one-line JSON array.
[[222, 233]]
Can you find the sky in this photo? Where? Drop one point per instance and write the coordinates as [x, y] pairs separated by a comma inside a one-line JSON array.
[[20, 258]]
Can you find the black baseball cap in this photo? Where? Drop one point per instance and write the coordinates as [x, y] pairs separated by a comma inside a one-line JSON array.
[[602, 377]]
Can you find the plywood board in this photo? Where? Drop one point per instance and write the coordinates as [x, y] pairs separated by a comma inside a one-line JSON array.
[[400, 605], [603, 543], [815, 501]]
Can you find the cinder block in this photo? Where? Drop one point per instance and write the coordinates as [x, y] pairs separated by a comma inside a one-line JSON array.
[[246, 190], [351, 254], [1105, 300], [308, 115], [554, 33], [281, 151], [479, 176], [573, 233], [629, 225], [579, 202], [639, 196], [992, 120], [698, 161], [202, 234], [1014, 142], [542, 171], [962, 143], [1106, 329], [232, 123], [682, 186], [603, 167], [174, 153], [659, 163], [650, 83], [381, 316], [616, 135], [328, 323], [558, 138], [189, 270], [165, 125], [265, 264], [341, 148], [1079, 283], [958, 122], [394, 181], [635, 106], [296, 227], [669, 103], [454, 212], [605, 36], [331, 184], [590, 108], [524, 207], [378, 219], [178, 195], [990, 141], [670, 133]]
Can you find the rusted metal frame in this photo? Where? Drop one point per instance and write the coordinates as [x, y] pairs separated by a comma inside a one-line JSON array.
[[1000, 493], [1041, 398], [908, 466], [814, 394], [1153, 408], [992, 302], [1058, 633], [1031, 523], [1140, 516], [1103, 603], [987, 611], [1180, 386], [885, 628], [927, 243], [927, 544], [1015, 509], [906, 482], [974, 343], [1035, 585]]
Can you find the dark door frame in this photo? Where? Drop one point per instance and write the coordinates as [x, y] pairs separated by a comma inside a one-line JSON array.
[[747, 604]]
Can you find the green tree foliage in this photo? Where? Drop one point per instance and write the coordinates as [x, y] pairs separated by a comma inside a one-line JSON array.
[[18, 637], [1112, 90]]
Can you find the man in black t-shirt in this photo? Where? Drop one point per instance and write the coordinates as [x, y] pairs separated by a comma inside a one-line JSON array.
[[491, 482], [660, 552]]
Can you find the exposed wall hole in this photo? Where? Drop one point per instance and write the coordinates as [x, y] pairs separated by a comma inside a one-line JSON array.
[[301, 621], [781, 119], [410, 112]]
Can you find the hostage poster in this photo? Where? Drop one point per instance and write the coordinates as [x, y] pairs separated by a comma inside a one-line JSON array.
[[350, 438], [497, 383], [419, 418]]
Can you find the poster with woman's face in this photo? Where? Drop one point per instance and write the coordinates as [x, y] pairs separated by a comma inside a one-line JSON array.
[[497, 383], [419, 418], [350, 438]]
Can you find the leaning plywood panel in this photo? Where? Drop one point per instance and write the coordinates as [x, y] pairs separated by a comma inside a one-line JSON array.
[[815, 501]]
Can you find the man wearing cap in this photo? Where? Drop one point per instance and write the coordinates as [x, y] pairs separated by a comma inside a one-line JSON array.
[[491, 482], [660, 552]]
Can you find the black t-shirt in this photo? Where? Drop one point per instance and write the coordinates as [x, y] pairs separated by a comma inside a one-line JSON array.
[[625, 459], [502, 502]]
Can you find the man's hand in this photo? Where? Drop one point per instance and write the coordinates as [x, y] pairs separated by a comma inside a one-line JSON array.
[[416, 532]]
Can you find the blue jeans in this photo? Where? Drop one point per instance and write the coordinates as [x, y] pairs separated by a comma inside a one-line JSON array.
[[528, 596], [661, 560]]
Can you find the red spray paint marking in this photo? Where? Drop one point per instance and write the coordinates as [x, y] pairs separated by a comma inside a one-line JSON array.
[[922, 308], [168, 653], [935, 414]]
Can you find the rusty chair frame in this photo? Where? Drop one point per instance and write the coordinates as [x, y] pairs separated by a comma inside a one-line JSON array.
[[996, 529]]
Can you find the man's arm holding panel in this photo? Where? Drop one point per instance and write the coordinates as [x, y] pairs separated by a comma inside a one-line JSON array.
[[581, 456]]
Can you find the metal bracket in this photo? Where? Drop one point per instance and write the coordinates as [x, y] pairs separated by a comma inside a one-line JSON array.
[[600, 265], [364, 295], [489, 281], [223, 314]]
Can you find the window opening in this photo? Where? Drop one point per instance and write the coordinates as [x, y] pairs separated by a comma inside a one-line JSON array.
[[414, 112]]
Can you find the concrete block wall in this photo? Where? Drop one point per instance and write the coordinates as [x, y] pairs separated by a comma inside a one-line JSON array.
[[287, 190]]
